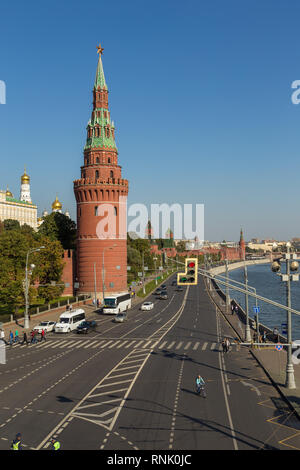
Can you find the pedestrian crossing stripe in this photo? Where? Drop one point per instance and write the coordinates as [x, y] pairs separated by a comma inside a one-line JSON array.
[[138, 345]]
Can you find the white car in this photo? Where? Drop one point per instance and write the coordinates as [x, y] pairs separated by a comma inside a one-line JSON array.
[[120, 317], [147, 306], [45, 325]]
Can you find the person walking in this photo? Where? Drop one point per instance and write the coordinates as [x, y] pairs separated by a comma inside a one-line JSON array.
[[224, 345], [232, 309], [16, 443], [264, 337], [55, 444], [16, 336], [11, 338], [33, 337], [25, 340], [227, 342], [276, 335], [43, 335], [236, 309]]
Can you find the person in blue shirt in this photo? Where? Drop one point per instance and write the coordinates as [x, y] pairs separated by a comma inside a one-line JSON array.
[[199, 383]]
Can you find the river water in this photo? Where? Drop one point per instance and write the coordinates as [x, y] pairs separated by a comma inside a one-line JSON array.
[[269, 285]]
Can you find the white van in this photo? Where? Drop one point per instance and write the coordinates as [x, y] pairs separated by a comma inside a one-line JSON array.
[[69, 321]]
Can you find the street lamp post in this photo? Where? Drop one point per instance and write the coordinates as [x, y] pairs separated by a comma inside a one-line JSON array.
[[247, 328], [26, 317], [155, 273], [227, 287], [288, 277]]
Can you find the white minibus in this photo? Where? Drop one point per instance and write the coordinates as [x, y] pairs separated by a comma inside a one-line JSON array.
[[69, 320]]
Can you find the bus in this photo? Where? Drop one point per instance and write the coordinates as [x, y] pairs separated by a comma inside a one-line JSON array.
[[69, 320], [117, 303]]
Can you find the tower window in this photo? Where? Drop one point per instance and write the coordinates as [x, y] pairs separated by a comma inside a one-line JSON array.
[[96, 210], [115, 211], [97, 160], [97, 174], [111, 174], [108, 160]]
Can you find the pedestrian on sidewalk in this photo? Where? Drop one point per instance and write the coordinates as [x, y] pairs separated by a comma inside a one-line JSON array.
[[25, 340], [232, 309], [227, 344], [11, 338], [264, 337], [276, 334], [224, 345], [236, 309]]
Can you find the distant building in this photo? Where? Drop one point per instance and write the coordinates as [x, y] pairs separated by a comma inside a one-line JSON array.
[[22, 209]]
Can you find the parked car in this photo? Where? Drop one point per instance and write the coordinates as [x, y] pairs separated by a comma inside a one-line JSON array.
[[157, 292], [120, 317], [45, 325], [174, 283], [179, 289], [163, 296], [86, 326], [147, 306], [163, 286]]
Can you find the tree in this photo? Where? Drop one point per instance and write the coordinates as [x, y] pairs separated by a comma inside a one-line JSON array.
[[57, 226], [49, 269], [180, 247], [11, 224]]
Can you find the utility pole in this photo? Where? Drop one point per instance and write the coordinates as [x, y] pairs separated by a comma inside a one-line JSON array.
[[247, 330], [95, 284], [144, 292], [227, 287]]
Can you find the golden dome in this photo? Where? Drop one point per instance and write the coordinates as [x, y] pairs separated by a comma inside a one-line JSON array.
[[56, 205], [25, 178], [8, 193]]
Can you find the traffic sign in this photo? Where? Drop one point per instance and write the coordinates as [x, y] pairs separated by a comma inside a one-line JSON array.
[[284, 328], [278, 347], [256, 309]]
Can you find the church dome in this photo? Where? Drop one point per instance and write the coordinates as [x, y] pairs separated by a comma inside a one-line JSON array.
[[56, 205], [8, 193], [25, 179]]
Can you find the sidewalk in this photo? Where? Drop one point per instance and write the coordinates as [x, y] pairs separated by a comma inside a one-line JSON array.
[[272, 361]]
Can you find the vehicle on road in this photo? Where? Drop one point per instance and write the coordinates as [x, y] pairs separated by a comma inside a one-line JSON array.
[[158, 292], [147, 306], [163, 286], [179, 289], [86, 326], [45, 325], [201, 391], [117, 303], [174, 283], [69, 321], [163, 296], [120, 317]]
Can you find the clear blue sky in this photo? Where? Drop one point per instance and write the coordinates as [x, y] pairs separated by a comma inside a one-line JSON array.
[[200, 92]]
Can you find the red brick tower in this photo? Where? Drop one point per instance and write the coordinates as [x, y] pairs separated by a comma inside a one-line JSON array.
[[101, 195]]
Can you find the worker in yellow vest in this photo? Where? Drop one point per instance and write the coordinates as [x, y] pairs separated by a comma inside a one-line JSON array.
[[55, 444], [16, 443]]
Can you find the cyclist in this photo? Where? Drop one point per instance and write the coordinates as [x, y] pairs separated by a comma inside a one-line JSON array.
[[199, 383]]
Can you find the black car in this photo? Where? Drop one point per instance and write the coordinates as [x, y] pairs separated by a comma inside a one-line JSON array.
[[86, 326], [179, 289], [163, 286], [157, 292], [174, 283]]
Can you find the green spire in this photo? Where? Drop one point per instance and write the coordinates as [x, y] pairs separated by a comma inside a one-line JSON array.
[[100, 79]]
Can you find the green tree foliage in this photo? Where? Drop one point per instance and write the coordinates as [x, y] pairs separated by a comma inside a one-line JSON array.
[[14, 246], [180, 247], [57, 226], [11, 224]]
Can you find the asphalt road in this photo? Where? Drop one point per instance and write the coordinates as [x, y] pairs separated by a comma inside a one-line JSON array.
[[131, 386]]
